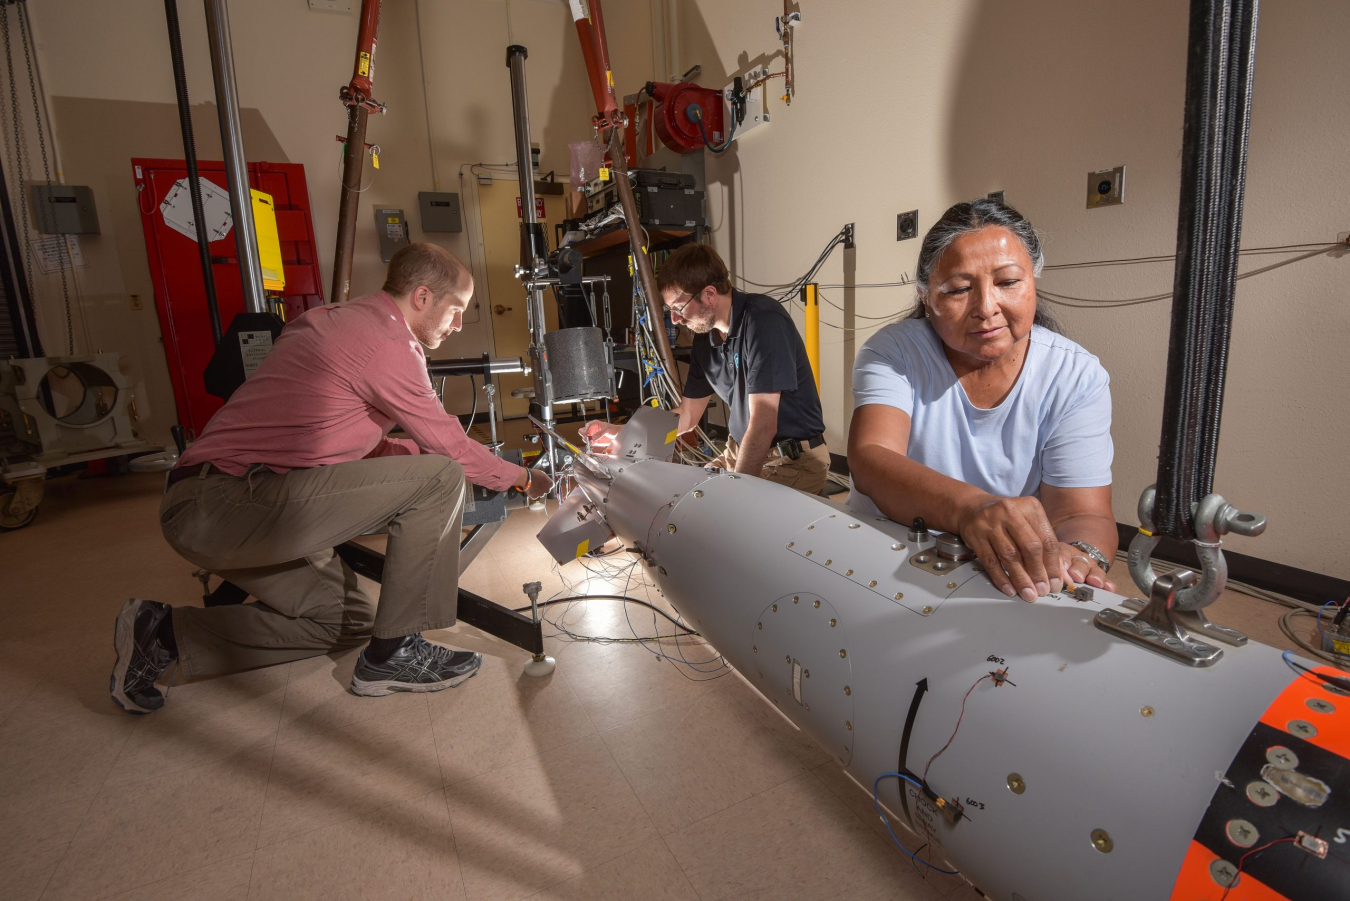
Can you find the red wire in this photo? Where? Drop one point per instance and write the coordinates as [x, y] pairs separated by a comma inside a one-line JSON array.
[[1242, 861], [957, 729]]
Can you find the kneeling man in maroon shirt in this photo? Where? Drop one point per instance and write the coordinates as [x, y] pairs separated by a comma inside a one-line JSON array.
[[299, 461]]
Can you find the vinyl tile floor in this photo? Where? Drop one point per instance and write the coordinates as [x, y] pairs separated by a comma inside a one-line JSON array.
[[625, 774]]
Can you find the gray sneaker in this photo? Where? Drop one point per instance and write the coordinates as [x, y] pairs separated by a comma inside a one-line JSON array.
[[417, 665], [141, 656]]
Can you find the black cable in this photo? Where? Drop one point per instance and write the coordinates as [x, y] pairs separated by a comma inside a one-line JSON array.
[[190, 157], [612, 597], [1222, 42]]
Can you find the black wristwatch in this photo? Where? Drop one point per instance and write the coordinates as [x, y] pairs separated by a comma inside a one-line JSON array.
[[1093, 554]]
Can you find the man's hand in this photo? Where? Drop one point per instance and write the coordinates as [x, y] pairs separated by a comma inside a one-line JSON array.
[[599, 434], [539, 481], [1016, 544]]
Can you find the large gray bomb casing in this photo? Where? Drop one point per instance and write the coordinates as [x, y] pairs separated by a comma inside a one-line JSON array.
[[825, 614]]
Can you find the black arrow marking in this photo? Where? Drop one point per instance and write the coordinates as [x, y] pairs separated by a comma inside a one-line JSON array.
[[920, 689]]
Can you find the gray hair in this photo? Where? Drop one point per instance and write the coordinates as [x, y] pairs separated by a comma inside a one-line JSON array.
[[962, 219]]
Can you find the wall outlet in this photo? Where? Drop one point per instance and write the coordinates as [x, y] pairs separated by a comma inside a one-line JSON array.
[[1106, 188], [331, 6], [907, 225], [996, 195], [135, 300], [848, 237]]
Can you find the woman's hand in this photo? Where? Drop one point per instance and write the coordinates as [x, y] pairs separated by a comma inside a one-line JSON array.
[[1081, 569], [1015, 542]]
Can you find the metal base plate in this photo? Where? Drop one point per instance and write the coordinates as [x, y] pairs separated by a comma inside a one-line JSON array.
[[1181, 648], [1196, 621]]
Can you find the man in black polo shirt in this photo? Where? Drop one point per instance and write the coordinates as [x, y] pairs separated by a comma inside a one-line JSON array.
[[748, 352]]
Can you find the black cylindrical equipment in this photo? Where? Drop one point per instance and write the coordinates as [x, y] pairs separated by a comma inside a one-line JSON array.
[[1222, 52], [580, 367], [190, 158]]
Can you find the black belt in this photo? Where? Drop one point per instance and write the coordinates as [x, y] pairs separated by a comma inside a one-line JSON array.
[[791, 448], [179, 473]]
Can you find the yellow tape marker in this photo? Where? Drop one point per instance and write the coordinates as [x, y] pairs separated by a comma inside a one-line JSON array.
[[1143, 531], [583, 547], [363, 66], [610, 76], [604, 173], [674, 433], [375, 159]]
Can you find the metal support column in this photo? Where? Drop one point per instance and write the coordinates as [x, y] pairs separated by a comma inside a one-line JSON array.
[[236, 164]]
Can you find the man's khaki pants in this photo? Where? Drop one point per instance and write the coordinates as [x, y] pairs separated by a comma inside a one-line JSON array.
[[806, 473], [273, 536]]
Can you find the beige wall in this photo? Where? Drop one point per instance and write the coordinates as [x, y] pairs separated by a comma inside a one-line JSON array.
[[905, 105], [290, 63]]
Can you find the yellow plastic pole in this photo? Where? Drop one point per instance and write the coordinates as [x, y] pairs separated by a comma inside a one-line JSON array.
[[811, 299]]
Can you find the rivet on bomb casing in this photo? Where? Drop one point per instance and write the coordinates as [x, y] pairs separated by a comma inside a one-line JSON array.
[[1241, 833], [833, 623], [899, 595], [927, 610], [792, 544], [1224, 873], [796, 598], [808, 708], [847, 690], [978, 568], [848, 724], [662, 570], [843, 652], [774, 608], [951, 584], [808, 553], [759, 625], [809, 528], [1320, 705], [755, 648], [849, 573], [897, 547], [1281, 757], [789, 658], [1146, 711], [1301, 728], [1101, 840], [854, 526], [1016, 784], [698, 494], [806, 674], [872, 584], [828, 561], [816, 605], [671, 528]]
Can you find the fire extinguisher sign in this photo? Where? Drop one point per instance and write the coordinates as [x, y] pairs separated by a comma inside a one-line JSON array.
[[538, 208]]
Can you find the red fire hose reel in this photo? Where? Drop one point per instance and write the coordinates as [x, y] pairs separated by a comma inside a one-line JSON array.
[[680, 106]]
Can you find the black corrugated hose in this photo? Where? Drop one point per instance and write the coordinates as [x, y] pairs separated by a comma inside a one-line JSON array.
[[190, 156], [1222, 51]]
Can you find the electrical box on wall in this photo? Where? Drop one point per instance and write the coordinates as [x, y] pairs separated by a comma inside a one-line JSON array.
[[1106, 188], [440, 211], [753, 113], [392, 227], [65, 210]]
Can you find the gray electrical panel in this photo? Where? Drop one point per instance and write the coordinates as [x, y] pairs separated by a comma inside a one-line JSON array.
[[392, 227], [65, 210], [440, 211]]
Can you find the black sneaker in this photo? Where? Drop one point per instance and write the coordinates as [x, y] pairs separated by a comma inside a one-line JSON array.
[[417, 665], [141, 656]]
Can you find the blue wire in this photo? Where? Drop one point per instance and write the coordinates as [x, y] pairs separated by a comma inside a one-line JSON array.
[[876, 799], [1322, 634]]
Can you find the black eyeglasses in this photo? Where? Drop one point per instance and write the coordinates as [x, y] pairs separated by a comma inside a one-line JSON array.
[[680, 311]]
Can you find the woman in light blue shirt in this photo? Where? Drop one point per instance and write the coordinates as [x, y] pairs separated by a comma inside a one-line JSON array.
[[977, 415]]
